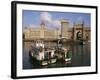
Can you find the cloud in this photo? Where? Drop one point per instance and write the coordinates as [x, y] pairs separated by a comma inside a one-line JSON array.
[[79, 19], [56, 23], [31, 26], [46, 17]]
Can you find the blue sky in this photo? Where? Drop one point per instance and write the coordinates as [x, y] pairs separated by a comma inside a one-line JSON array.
[[31, 17]]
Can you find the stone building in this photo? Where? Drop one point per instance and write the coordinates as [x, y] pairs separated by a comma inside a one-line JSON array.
[[42, 32], [64, 29], [81, 32], [77, 32]]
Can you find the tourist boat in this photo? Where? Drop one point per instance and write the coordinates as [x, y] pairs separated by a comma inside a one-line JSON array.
[[67, 54], [41, 55], [63, 54]]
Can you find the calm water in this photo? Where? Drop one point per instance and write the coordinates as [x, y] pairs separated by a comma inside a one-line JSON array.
[[80, 57]]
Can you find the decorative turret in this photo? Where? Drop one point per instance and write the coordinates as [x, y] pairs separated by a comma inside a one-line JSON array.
[[42, 24]]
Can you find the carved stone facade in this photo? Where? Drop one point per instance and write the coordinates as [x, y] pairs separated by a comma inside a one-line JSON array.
[[40, 33], [82, 32], [78, 31]]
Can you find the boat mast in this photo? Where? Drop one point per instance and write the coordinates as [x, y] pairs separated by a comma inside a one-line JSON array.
[[82, 30]]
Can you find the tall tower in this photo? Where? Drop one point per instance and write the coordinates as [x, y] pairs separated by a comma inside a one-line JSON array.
[[42, 24], [64, 28], [42, 29]]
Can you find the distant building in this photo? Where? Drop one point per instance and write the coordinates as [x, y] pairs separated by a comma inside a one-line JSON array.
[[81, 31], [64, 29], [78, 31], [42, 32]]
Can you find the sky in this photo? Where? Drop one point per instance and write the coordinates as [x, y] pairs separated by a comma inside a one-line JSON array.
[[31, 18]]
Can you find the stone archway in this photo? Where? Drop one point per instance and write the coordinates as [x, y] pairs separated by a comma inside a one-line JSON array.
[[78, 35]]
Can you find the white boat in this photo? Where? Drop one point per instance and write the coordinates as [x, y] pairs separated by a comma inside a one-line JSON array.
[[43, 56]]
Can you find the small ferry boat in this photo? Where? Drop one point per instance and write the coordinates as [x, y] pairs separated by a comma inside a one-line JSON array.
[[64, 54], [42, 55]]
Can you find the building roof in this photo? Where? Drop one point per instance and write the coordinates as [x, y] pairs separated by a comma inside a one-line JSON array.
[[64, 20]]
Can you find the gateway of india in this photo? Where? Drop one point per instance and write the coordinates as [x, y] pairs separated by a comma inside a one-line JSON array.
[[77, 32]]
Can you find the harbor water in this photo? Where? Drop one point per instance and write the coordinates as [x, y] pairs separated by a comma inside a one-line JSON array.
[[81, 56]]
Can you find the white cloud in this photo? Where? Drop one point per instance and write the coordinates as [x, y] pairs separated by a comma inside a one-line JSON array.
[[56, 23], [50, 23], [46, 17], [79, 19]]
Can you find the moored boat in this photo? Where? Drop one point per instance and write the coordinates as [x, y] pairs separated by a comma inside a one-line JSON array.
[[68, 55], [42, 55]]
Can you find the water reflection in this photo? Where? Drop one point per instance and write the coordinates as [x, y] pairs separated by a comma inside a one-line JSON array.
[[80, 57]]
